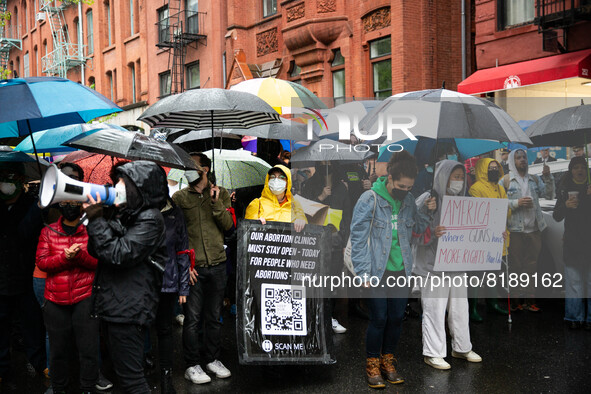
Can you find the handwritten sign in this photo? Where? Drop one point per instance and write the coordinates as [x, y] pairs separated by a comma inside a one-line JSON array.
[[473, 240]]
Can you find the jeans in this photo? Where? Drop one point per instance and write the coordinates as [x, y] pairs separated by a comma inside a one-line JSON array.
[[28, 309], [385, 317], [577, 283], [39, 290], [204, 306], [67, 324], [126, 346], [164, 317]]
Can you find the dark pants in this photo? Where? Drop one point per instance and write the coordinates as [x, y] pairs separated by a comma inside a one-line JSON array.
[[385, 317], [39, 290], [66, 324], [164, 317], [126, 346], [27, 308], [204, 306]]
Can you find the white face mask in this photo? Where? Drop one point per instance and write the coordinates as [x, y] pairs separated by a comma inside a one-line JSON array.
[[121, 195], [455, 187], [7, 188], [277, 186]]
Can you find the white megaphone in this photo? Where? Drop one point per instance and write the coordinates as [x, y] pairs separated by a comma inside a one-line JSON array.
[[57, 187]]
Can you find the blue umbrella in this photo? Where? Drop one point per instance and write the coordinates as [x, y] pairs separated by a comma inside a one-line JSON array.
[[423, 148], [51, 140]]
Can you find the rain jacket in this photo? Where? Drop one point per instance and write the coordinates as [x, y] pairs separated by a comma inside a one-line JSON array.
[[127, 284], [537, 188], [372, 260], [68, 281], [206, 223], [268, 208], [484, 189], [426, 245], [176, 271]]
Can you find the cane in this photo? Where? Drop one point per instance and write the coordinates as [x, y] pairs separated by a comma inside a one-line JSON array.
[[509, 320]]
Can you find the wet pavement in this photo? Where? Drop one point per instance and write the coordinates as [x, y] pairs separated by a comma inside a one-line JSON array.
[[536, 353]]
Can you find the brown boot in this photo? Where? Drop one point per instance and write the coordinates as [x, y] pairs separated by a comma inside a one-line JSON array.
[[388, 370], [374, 377]]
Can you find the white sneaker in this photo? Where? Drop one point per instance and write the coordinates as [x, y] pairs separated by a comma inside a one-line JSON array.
[[218, 369], [337, 328], [196, 375], [180, 319], [471, 356], [437, 362]]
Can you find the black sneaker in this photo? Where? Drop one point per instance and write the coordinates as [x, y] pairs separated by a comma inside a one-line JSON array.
[[103, 383]]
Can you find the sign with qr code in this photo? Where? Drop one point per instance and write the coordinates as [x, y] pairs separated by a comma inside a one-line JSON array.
[[279, 320]]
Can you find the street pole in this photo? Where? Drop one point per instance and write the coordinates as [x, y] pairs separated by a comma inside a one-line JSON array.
[[463, 39], [80, 45]]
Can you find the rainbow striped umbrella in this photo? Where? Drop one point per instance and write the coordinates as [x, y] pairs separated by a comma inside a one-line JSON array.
[[279, 93]]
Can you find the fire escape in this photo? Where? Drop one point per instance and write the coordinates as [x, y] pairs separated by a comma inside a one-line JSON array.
[[555, 15], [10, 37], [179, 29], [65, 54]]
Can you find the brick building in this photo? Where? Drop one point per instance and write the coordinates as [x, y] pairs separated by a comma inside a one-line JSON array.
[[139, 50]]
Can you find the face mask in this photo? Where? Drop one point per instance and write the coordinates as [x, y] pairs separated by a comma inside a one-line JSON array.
[[277, 186], [452, 157], [121, 196], [455, 187], [398, 194], [493, 176], [8, 190], [70, 213]]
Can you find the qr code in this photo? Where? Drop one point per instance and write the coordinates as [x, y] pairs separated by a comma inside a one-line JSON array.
[[283, 310]]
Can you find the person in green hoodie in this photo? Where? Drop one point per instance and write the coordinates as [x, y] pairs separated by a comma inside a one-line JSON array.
[[382, 226]]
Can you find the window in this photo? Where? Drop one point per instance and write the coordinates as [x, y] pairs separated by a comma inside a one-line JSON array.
[[36, 53], [192, 8], [89, 32], [133, 87], [381, 63], [109, 25], [338, 77], [133, 17], [269, 7], [193, 80], [111, 87], [165, 84], [76, 39], [17, 71], [164, 29], [26, 65], [294, 73], [35, 11], [14, 19], [26, 17], [515, 12]]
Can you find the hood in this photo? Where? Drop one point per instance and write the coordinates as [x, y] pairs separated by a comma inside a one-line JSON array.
[[150, 180], [267, 192], [482, 169], [511, 161], [443, 170]]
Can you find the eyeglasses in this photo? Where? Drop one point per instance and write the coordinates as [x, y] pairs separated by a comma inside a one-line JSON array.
[[282, 177], [71, 203]]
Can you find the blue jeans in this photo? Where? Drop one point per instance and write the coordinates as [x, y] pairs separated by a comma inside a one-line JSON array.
[[385, 317], [39, 290], [577, 281], [204, 306]]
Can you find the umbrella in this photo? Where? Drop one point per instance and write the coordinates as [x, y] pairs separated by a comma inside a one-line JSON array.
[[51, 140], [210, 108], [567, 127], [40, 103], [194, 135], [31, 168], [441, 113], [133, 146], [280, 93], [97, 167], [238, 168], [249, 143], [328, 150]]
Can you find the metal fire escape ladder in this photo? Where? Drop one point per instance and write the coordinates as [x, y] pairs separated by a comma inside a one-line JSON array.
[[9, 38], [65, 55]]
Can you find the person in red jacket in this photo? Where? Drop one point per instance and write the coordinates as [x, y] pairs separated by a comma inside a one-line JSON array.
[[62, 254]]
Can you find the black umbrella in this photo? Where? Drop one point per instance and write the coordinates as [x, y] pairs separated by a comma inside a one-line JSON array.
[[133, 146], [210, 109]]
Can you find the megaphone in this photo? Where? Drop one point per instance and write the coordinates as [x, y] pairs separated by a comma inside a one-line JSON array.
[[57, 187]]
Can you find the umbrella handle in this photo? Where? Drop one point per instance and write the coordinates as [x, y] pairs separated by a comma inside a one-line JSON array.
[[587, 157]]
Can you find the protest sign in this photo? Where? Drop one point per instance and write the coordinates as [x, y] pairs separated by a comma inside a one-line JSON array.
[[473, 239], [279, 321]]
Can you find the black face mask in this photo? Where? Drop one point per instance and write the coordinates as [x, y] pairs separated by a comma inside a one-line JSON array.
[[398, 194], [70, 213], [493, 176]]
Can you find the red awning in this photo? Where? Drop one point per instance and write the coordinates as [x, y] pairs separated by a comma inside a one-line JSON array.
[[546, 69]]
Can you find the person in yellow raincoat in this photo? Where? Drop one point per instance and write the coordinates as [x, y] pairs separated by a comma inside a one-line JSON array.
[[488, 173], [276, 203]]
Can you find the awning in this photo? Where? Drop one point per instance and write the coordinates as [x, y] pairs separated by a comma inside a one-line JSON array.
[[547, 69]]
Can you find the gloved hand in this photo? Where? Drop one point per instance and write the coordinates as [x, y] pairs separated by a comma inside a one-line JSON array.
[[94, 211]]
